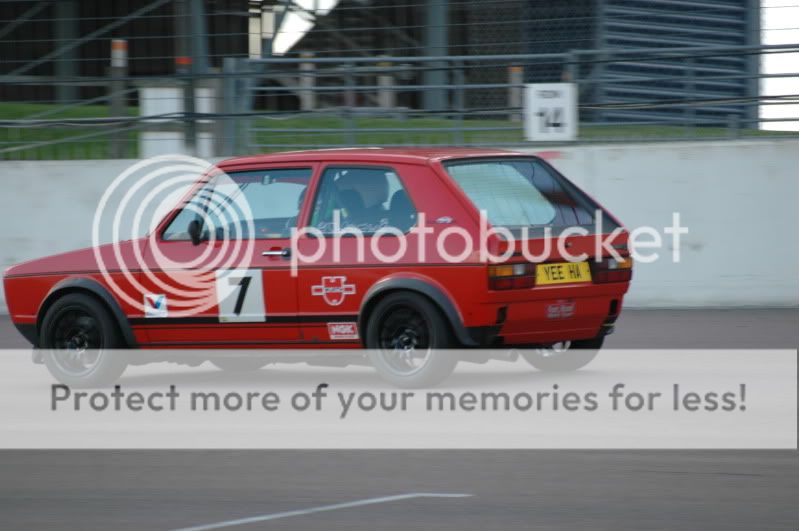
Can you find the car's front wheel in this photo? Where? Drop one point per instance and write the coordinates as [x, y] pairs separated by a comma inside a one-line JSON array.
[[406, 335], [78, 337], [565, 356]]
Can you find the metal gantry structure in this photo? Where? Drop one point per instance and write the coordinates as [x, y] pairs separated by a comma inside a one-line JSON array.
[[378, 72]]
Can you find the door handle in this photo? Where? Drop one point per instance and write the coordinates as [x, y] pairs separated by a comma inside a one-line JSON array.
[[285, 252]]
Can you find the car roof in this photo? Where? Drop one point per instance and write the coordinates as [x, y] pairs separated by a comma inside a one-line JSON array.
[[417, 155]]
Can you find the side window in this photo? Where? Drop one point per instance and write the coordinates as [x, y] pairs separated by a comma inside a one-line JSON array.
[[269, 200], [365, 198]]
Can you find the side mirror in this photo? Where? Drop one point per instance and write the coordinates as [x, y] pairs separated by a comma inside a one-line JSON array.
[[195, 231]]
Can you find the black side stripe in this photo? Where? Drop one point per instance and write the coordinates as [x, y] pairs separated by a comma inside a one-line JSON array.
[[270, 319], [302, 343]]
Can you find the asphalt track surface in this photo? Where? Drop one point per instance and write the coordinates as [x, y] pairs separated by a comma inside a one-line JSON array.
[[392, 489]]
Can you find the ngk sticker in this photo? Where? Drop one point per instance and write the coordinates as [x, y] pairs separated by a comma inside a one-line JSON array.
[[342, 330]]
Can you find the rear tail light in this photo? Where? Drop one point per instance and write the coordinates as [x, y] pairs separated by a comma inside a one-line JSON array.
[[511, 276], [612, 270]]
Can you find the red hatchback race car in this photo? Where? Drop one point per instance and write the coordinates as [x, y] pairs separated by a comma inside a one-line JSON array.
[[402, 252]]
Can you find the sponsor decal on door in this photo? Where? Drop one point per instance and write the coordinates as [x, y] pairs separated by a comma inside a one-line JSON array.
[[333, 290]]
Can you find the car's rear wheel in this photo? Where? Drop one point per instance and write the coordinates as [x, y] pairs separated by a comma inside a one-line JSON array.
[[239, 364], [78, 336], [565, 356], [406, 334]]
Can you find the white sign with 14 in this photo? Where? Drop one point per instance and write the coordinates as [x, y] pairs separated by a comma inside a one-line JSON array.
[[550, 112]]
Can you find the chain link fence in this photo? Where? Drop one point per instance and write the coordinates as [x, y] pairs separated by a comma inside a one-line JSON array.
[[129, 79]]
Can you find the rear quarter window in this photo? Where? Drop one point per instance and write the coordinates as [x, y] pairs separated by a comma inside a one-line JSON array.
[[524, 193], [505, 193]]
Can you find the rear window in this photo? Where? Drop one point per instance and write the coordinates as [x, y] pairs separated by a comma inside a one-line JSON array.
[[523, 193]]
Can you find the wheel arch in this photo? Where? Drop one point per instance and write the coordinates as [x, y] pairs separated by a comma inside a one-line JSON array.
[[426, 288], [92, 288]]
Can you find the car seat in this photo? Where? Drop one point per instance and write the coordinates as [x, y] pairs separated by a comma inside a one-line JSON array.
[[353, 210], [401, 213]]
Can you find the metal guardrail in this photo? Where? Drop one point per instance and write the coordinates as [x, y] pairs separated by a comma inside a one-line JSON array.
[[634, 94]]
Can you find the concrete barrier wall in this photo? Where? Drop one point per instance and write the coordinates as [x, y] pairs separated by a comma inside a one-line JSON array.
[[737, 198]]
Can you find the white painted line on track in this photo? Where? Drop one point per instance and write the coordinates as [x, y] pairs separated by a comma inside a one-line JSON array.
[[321, 508]]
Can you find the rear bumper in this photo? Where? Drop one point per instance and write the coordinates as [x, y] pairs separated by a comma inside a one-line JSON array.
[[551, 321], [483, 335]]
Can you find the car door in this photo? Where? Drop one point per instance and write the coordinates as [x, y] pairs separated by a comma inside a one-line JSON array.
[[234, 287], [368, 198]]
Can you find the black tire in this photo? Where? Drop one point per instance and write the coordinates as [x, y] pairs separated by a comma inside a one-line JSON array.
[[576, 356], [239, 364], [400, 324], [77, 337]]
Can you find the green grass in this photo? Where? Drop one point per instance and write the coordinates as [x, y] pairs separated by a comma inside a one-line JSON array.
[[415, 131], [94, 147], [428, 131], [317, 131]]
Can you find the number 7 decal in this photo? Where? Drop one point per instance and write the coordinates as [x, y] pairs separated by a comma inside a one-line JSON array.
[[243, 283], [240, 296]]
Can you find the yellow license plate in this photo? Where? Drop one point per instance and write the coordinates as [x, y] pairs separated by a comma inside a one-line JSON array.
[[562, 273]]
